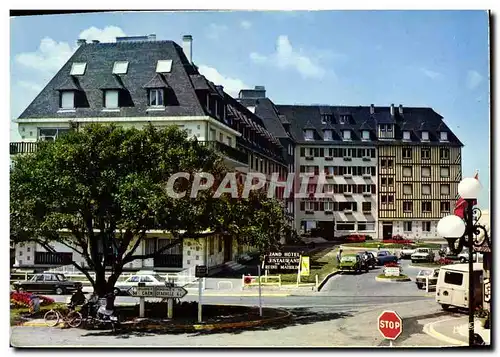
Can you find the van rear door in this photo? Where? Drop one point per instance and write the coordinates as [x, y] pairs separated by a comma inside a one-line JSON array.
[[454, 285]]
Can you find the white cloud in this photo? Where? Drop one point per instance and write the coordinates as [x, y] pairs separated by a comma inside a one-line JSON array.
[[49, 57], [430, 74], [246, 24], [214, 31], [108, 34], [232, 86], [286, 57], [474, 78]]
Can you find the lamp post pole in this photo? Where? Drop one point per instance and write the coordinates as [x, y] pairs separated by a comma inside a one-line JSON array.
[[470, 241]]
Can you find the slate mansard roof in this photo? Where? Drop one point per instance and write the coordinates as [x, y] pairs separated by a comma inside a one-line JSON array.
[[142, 58]]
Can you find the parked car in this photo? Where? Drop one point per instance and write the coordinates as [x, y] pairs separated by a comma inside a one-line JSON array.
[[370, 259], [463, 257], [422, 255], [48, 283], [452, 288], [353, 262], [150, 279], [421, 279], [406, 252], [384, 257]]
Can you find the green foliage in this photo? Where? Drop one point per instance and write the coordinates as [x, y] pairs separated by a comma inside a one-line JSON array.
[[102, 188]]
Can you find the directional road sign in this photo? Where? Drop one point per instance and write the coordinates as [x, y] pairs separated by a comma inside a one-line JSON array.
[[158, 291]]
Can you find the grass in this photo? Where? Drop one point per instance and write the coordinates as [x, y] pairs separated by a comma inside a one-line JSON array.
[[321, 265], [16, 313], [401, 277], [375, 245]]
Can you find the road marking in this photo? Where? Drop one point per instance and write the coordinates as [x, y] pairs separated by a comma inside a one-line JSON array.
[[429, 329]]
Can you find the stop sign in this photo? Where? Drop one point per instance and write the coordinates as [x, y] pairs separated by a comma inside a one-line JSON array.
[[390, 325]]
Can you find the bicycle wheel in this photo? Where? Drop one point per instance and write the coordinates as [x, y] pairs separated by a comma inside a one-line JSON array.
[[51, 318], [74, 319]]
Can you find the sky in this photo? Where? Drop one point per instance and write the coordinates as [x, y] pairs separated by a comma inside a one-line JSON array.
[[437, 59]]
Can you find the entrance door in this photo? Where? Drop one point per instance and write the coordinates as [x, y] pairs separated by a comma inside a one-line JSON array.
[[387, 230], [228, 248]]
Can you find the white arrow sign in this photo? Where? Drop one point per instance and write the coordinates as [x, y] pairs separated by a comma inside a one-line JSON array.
[[158, 291]]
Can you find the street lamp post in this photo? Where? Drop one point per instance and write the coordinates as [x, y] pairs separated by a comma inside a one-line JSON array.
[[453, 228]]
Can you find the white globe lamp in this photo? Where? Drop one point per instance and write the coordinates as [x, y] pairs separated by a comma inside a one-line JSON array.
[[451, 228], [469, 188]]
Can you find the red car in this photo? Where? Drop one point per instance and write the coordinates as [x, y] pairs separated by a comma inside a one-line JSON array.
[[357, 238]]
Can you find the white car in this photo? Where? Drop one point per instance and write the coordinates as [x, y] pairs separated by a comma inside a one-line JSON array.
[[422, 255], [406, 252], [149, 279]]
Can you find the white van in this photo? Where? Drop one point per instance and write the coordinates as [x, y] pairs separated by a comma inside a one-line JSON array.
[[452, 288]]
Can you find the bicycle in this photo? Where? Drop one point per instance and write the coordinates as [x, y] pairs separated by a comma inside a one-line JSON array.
[[72, 318]]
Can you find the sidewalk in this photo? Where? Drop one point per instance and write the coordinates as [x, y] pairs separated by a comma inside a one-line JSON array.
[[455, 331]]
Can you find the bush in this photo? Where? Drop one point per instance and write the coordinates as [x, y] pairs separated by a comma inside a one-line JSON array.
[[24, 299], [444, 261], [391, 265]]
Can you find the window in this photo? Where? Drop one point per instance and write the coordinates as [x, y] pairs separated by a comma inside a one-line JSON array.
[[120, 67], [444, 154], [78, 69], [67, 100], [229, 141], [426, 154], [164, 66], [328, 135], [345, 226], [390, 181], [51, 134], [366, 226], [453, 278], [426, 189], [445, 171], [426, 226], [383, 180], [406, 135], [445, 206], [366, 135], [407, 189], [347, 135], [344, 119], [309, 135], [328, 206], [221, 137], [426, 171], [366, 206], [426, 206], [445, 189], [146, 279], [383, 198], [383, 163], [425, 136], [212, 134], [406, 171], [390, 162], [407, 226], [407, 153], [443, 136], [390, 199], [407, 206], [111, 99], [156, 98]]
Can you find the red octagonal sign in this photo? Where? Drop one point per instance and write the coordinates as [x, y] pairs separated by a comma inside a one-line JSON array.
[[390, 325]]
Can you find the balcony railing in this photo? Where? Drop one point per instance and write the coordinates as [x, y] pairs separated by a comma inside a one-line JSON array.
[[22, 147], [228, 151], [49, 258], [168, 261]]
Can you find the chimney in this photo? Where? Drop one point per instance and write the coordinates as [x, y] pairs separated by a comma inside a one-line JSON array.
[[95, 41], [372, 109], [81, 41], [187, 47], [400, 109], [221, 88], [152, 37], [392, 110]]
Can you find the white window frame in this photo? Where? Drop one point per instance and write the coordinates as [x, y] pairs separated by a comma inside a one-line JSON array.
[[406, 135], [308, 134], [229, 141], [164, 66], [428, 192], [405, 203], [441, 206], [428, 156], [52, 137], [107, 101], [425, 136], [328, 135], [78, 68], [346, 135], [426, 224], [366, 135], [443, 136], [446, 156], [367, 189], [442, 169], [328, 206], [329, 188], [406, 150], [406, 225], [157, 96], [120, 67], [429, 211], [70, 98], [329, 170], [309, 206]]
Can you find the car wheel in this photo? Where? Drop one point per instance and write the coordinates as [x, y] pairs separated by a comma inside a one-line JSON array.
[[116, 291], [413, 261], [59, 290], [445, 307], [420, 286], [463, 260], [20, 290]]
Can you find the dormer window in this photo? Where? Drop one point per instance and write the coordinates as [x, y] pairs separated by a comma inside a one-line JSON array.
[[111, 99], [366, 135], [386, 131], [344, 119], [346, 135], [156, 97], [120, 67], [406, 135], [327, 135], [425, 136], [78, 69], [326, 118], [443, 136], [164, 66], [309, 134], [67, 100]]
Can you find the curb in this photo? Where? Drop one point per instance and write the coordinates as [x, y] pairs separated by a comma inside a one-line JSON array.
[[324, 281], [429, 330], [244, 295], [407, 279]]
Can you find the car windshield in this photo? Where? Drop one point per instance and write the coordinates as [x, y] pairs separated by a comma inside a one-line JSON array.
[[348, 258], [424, 272], [61, 277], [158, 277], [383, 253]]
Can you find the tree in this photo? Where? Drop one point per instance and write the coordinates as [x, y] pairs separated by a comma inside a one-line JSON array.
[[99, 190]]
